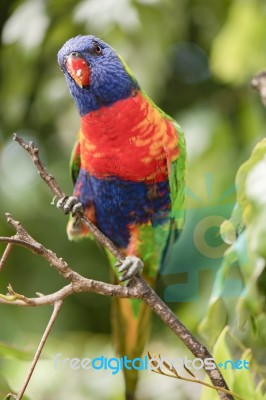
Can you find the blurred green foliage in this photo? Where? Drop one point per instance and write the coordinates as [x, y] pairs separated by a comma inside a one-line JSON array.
[[245, 232], [195, 58]]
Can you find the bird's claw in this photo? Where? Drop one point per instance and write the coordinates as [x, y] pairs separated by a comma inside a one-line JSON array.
[[70, 204], [129, 268]]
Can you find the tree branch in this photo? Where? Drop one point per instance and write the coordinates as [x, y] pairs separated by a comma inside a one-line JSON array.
[[138, 287], [5, 255], [57, 307], [78, 282], [172, 373]]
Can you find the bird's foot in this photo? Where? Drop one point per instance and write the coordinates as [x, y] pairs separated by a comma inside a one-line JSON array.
[[70, 204], [129, 268]]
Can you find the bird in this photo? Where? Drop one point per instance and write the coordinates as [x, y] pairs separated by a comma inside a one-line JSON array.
[[128, 167]]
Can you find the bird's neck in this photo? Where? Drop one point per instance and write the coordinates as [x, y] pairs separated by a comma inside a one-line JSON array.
[[98, 96]]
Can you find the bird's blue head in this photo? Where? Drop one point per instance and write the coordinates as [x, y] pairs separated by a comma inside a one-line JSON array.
[[95, 74]]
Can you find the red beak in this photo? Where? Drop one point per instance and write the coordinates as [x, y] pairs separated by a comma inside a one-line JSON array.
[[78, 69]]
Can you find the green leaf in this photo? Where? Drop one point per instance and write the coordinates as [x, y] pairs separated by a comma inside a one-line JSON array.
[[243, 380], [222, 353], [261, 325], [228, 232], [243, 314], [214, 322], [260, 393]]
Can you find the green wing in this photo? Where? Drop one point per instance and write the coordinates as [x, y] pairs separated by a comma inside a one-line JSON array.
[[177, 179], [75, 162], [166, 234], [177, 172]]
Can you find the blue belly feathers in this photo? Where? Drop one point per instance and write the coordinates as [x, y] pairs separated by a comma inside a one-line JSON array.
[[119, 204]]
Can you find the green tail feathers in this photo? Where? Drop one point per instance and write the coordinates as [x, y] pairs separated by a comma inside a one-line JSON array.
[[131, 329]]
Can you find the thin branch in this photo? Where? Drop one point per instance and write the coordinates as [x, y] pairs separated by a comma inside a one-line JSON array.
[[199, 381], [21, 300], [5, 255], [174, 374], [57, 307], [78, 282], [84, 285], [138, 287]]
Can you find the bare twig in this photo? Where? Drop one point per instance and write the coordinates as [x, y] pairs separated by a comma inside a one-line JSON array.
[[78, 282], [5, 255], [50, 299], [174, 374], [138, 288], [57, 307]]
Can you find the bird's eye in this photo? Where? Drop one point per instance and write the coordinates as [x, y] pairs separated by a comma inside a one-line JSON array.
[[97, 50]]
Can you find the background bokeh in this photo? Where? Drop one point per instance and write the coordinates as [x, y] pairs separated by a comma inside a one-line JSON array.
[[195, 58]]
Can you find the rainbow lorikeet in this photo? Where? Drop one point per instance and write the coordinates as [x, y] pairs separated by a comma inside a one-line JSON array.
[[128, 167]]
